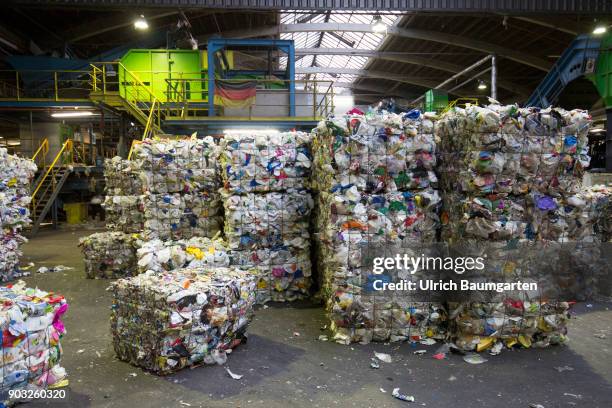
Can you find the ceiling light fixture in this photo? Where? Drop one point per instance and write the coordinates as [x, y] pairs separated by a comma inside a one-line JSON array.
[[600, 29], [378, 26], [482, 85], [141, 23], [75, 114]]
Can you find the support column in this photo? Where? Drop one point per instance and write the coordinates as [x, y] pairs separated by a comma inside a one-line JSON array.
[[494, 76], [609, 139]]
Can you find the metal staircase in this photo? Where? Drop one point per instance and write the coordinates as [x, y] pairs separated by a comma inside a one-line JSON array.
[[137, 98], [49, 184]]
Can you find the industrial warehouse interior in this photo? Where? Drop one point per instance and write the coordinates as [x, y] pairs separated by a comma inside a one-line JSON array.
[[308, 203]]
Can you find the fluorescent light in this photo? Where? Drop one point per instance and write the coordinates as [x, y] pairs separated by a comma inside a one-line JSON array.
[[482, 85], [141, 23], [74, 114], [378, 26], [250, 131], [600, 30]]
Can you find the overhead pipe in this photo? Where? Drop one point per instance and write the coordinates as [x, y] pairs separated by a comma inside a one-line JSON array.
[[457, 75]]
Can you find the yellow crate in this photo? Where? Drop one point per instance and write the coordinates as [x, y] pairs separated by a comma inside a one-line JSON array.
[[76, 213]]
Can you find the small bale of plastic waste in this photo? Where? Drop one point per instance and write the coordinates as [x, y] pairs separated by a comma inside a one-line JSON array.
[[164, 322], [109, 255]]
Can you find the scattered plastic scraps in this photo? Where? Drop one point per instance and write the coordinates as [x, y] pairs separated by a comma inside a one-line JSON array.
[[233, 375], [402, 397], [374, 364], [276, 161], [474, 358], [532, 405], [58, 268], [384, 357], [109, 255], [164, 322], [32, 328], [15, 177], [564, 368], [165, 256]]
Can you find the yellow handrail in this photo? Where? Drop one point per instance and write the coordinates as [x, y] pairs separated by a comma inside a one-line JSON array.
[[150, 120], [44, 148], [67, 146], [458, 101], [134, 143]]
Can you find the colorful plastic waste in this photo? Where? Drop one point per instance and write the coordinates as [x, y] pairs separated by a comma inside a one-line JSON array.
[[175, 216], [31, 321], [15, 177], [109, 255], [164, 322], [512, 186], [124, 213], [375, 176], [275, 161], [197, 252]]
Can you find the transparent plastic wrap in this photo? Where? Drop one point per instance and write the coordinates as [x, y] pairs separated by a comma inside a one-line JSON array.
[[265, 220], [178, 166], [265, 162], [165, 256], [166, 322], [182, 216], [32, 326], [124, 213], [109, 255]]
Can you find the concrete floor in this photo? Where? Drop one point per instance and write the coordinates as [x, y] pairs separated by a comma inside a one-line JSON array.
[[282, 369]]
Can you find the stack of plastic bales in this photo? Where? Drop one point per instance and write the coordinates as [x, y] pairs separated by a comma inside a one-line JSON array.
[[181, 184], [512, 189], [31, 332], [123, 204], [267, 208], [112, 254], [164, 322], [15, 177], [109, 255], [376, 197], [197, 252]]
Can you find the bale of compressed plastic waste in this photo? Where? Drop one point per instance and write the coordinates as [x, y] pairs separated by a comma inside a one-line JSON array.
[[109, 255], [264, 220], [511, 150], [16, 175], [175, 216], [164, 322], [275, 161], [376, 196], [512, 186], [122, 177], [177, 166], [267, 210], [124, 213], [283, 271], [375, 153], [196, 252], [32, 328]]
